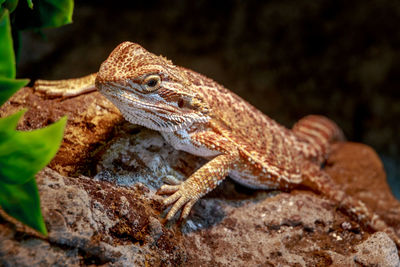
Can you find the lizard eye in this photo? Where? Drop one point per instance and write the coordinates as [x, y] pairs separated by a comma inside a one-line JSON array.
[[151, 83]]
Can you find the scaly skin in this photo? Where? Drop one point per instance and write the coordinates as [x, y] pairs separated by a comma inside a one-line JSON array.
[[199, 116]]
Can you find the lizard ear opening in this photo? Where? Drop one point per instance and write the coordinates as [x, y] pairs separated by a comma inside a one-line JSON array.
[[181, 103], [187, 102], [194, 104]]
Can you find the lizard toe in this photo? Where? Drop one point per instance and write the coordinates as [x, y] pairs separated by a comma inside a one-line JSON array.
[[182, 197], [168, 189], [188, 207], [176, 207], [171, 199]]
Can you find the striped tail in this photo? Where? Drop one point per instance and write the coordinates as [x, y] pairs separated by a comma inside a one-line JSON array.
[[316, 134]]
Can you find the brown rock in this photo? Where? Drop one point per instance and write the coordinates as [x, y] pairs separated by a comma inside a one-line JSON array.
[[359, 170], [109, 213], [91, 120]]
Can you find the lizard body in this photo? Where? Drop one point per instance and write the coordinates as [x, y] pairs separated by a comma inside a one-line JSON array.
[[197, 115]]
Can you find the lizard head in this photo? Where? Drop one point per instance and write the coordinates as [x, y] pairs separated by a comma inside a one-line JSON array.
[[150, 90]]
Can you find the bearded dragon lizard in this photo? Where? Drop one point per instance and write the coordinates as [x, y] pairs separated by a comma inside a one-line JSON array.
[[197, 115]]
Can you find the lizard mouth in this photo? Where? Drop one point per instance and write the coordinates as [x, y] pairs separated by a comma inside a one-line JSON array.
[[153, 115]]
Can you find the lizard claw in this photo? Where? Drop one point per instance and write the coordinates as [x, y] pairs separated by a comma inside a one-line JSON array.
[[182, 197]]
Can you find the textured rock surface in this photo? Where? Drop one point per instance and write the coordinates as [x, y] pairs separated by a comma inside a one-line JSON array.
[[91, 120], [99, 203]]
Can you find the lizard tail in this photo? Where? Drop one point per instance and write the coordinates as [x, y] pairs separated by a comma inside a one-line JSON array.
[[316, 134]]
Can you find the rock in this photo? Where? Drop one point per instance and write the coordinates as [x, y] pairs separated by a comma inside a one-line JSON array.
[[378, 250], [91, 120], [93, 222], [100, 207], [359, 170]]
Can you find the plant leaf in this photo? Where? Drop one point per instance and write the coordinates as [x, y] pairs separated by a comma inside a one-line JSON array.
[[9, 86], [23, 154], [22, 202], [30, 4], [45, 14], [7, 60], [9, 124], [55, 13], [9, 4]]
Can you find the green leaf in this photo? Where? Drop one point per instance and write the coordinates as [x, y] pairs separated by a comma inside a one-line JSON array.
[[7, 60], [45, 14], [9, 86], [55, 13], [22, 202], [9, 124], [30, 4], [9, 4], [23, 154]]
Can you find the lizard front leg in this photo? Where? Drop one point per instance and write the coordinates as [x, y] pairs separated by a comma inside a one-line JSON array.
[[197, 185], [68, 87]]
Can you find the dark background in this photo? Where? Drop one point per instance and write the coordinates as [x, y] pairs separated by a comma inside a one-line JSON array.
[[288, 58]]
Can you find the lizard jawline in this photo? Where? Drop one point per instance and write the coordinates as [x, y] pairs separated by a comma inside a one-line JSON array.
[[156, 121], [149, 115]]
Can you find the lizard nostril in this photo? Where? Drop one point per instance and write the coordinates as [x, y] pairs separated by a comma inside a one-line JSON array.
[[181, 102]]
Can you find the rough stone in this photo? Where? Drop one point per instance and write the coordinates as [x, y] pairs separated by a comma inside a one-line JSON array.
[[91, 121], [100, 207]]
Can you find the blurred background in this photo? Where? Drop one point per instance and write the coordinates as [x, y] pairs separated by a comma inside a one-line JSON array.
[[337, 58]]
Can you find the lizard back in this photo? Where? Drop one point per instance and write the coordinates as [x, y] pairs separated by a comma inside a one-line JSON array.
[[268, 146]]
